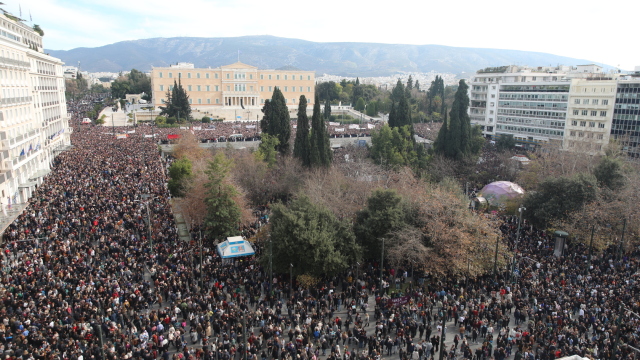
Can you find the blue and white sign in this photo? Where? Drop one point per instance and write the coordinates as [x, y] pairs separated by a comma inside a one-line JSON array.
[[235, 246]]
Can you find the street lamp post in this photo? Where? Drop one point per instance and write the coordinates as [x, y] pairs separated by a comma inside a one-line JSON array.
[[381, 267], [290, 280], [624, 228], [515, 248], [593, 230], [270, 264], [201, 269], [495, 261], [442, 345]]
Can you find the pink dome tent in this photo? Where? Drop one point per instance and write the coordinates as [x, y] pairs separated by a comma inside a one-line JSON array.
[[499, 192]]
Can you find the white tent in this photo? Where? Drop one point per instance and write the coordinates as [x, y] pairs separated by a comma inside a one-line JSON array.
[[235, 246]]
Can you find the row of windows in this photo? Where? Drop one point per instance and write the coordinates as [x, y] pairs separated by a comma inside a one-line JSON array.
[[588, 146], [238, 76], [629, 88], [531, 130], [628, 95], [584, 123], [536, 122], [627, 106], [217, 101], [536, 88], [593, 89], [592, 101], [603, 113], [529, 140], [625, 127], [533, 113], [625, 117], [545, 97], [533, 105], [590, 135], [238, 87]]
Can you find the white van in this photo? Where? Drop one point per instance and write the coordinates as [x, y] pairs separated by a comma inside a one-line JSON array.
[[86, 121]]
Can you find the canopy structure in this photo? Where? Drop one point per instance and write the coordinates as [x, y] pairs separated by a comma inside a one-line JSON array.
[[499, 192], [235, 246]]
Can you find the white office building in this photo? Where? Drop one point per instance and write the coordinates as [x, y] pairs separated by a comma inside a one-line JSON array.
[[33, 116], [530, 104]]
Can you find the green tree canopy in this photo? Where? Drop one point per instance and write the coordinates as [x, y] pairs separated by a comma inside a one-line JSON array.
[[609, 173], [456, 140], [395, 147], [276, 120], [398, 92], [372, 108], [302, 145], [327, 109], [320, 155], [223, 213], [310, 238], [505, 142], [135, 82], [556, 198], [179, 173], [329, 91], [385, 212], [267, 150], [436, 90], [360, 104], [177, 103]]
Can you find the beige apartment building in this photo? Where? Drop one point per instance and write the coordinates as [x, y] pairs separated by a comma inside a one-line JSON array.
[[589, 114], [232, 91]]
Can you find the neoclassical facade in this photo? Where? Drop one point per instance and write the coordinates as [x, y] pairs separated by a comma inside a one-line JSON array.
[[236, 86]]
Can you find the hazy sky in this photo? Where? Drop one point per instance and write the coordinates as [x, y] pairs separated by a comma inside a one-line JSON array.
[[603, 32]]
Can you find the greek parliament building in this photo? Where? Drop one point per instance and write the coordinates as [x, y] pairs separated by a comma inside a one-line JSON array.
[[33, 113], [236, 91], [577, 108]]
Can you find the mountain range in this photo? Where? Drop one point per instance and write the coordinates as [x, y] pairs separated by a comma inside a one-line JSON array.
[[270, 52]]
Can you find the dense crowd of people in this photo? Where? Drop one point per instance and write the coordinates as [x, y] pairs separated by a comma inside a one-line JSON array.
[[88, 273]]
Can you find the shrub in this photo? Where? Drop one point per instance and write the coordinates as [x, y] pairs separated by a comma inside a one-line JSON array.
[[206, 119]]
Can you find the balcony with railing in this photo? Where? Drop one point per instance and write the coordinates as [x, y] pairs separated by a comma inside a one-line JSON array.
[[8, 142], [13, 63], [15, 100]]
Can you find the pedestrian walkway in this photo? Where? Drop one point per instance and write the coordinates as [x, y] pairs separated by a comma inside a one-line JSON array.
[[181, 224]]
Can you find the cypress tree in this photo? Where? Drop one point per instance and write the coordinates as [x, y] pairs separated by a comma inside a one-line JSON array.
[[455, 135], [177, 103], [398, 91], [277, 121], [320, 145], [403, 113], [301, 145], [460, 106], [440, 145], [327, 109], [266, 117], [393, 116]]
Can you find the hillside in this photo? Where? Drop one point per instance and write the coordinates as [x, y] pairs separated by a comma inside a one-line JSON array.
[[269, 52]]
